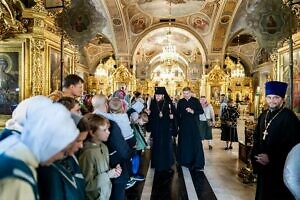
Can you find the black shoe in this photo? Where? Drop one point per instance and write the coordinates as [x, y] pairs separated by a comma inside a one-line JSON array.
[[226, 148], [199, 169], [230, 147], [210, 147]]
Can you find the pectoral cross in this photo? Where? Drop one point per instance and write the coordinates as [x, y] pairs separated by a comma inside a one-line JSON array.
[[265, 133]]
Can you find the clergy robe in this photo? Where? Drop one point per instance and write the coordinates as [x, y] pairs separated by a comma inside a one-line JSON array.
[[162, 151], [190, 151], [283, 134]]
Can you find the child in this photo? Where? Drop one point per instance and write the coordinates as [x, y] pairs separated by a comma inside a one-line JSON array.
[[141, 144], [117, 114], [94, 159]]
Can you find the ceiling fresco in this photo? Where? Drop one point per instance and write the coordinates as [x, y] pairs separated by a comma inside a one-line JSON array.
[[83, 21], [136, 30], [161, 8]]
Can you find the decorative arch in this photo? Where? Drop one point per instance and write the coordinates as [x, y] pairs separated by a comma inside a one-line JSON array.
[[192, 33]]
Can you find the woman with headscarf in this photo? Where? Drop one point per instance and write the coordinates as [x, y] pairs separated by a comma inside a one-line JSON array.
[[207, 120], [40, 142], [15, 125], [230, 116], [63, 179], [162, 112]]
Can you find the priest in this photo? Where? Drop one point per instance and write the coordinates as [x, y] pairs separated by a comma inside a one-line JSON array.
[[190, 150], [162, 114], [277, 132]]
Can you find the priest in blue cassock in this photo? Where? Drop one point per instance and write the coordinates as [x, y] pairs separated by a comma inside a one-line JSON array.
[[277, 132], [162, 114], [190, 150]]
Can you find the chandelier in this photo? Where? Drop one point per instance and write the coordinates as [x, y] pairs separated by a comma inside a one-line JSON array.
[[100, 70], [237, 69], [169, 56], [163, 73]]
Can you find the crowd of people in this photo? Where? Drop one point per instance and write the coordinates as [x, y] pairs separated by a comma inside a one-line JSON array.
[[56, 147]]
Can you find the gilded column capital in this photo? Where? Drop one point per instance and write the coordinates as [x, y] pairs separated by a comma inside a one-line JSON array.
[[39, 6]]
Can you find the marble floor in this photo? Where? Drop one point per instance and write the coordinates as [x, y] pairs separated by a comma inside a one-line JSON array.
[[219, 180], [222, 169]]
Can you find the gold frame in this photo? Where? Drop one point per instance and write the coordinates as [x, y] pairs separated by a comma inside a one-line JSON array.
[[282, 69], [17, 47], [69, 54]]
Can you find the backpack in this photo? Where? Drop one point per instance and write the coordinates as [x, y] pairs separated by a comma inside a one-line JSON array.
[[11, 167]]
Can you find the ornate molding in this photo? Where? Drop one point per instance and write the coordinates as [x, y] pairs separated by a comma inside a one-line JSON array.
[[10, 19], [37, 48], [294, 5], [39, 6], [217, 75], [122, 74]]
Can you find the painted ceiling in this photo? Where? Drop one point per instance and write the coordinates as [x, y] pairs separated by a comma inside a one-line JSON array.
[[202, 30]]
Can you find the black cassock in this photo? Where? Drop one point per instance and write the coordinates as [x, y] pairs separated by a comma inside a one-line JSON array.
[[190, 151], [283, 134], [162, 151]]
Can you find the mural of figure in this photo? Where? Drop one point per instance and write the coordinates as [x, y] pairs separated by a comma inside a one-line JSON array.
[[5, 78], [80, 24], [215, 93], [138, 25], [200, 24], [271, 25], [8, 85]]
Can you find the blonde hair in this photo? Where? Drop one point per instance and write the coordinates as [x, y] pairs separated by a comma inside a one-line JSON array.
[[115, 105]]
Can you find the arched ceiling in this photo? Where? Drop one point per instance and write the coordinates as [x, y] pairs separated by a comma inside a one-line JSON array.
[[187, 45], [202, 28]]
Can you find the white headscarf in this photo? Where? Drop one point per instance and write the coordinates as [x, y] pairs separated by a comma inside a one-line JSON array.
[[19, 114], [48, 130]]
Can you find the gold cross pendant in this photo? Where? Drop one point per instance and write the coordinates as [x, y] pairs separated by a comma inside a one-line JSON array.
[[265, 134]]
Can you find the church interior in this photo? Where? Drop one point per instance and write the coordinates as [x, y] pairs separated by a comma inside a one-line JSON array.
[[215, 47]]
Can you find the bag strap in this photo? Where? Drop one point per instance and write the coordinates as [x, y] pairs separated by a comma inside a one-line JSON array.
[[11, 167]]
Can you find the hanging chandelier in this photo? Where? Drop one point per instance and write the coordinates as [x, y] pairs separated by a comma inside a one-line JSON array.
[[238, 71], [169, 56], [100, 70]]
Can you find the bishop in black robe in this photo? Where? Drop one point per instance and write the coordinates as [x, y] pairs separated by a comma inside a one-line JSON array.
[[283, 135], [159, 125], [190, 150]]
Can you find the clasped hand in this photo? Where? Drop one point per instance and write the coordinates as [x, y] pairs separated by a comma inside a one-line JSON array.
[[262, 158], [188, 109]]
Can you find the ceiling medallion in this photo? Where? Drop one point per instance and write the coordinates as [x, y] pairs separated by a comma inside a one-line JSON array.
[[117, 21], [268, 25]]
